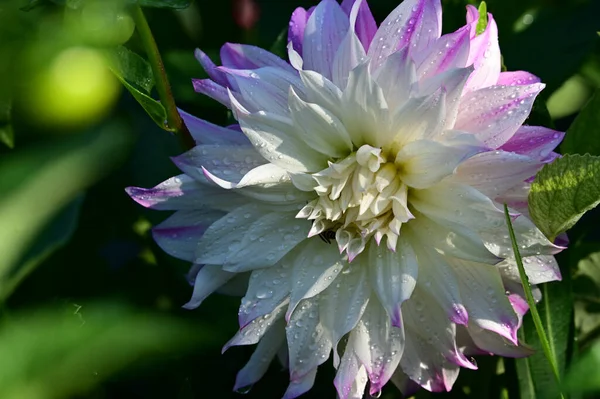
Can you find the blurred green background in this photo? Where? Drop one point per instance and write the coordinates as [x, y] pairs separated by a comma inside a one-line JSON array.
[[90, 305]]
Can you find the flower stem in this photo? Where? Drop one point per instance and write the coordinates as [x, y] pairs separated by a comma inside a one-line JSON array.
[[174, 121], [537, 321]]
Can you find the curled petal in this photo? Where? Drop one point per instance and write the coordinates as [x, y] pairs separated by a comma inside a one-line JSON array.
[[244, 56], [208, 280]]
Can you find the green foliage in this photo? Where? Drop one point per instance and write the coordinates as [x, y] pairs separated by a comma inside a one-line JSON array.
[[7, 135], [136, 75], [536, 377], [57, 175], [563, 191], [584, 376], [177, 4], [57, 353], [584, 134]]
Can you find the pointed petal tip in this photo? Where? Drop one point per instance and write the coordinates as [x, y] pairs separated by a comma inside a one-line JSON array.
[[459, 315]]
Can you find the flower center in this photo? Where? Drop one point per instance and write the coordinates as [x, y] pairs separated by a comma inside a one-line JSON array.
[[360, 196]]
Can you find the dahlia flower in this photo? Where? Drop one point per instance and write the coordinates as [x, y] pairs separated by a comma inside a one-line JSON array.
[[357, 203]]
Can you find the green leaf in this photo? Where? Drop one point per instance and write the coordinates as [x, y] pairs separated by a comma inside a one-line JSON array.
[[584, 375], [136, 75], [563, 191], [177, 4], [483, 18], [60, 353], [586, 294], [536, 378], [7, 135], [545, 330], [56, 173], [584, 134], [56, 234]]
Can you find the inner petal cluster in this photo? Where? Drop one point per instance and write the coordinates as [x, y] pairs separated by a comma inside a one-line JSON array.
[[359, 197]]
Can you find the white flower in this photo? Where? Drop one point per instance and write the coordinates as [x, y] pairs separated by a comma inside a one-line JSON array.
[[361, 198]]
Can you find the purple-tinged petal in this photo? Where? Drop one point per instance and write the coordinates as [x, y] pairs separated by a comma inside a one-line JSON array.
[[205, 132], [446, 53], [179, 234], [308, 342], [495, 113], [407, 386], [211, 69], [261, 358], [365, 27], [297, 26], [428, 320], [517, 78], [472, 14], [414, 23], [495, 172], [393, 276], [539, 269], [325, 30], [536, 142], [350, 52], [378, 344], [301, 385], [208, 279], [266, 88], [351, 377], [484, 55], [493, 343], [483, 292], [226, 162], [423, 363], [212, 90], [244, 56], [185, 193]]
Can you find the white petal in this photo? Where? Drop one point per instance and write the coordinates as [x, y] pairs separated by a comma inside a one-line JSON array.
[[485, 300], [452, 239], [266, 241], [491, 342], [424, 163], [342, 307], [322, 130], [208, 279], [315, 268], [448, 52], [261, 357], [457, 203], [364, 108], [254, 331], [438, 280], [396, 77], [308, 342], [322, 91], [419, 118], [378, 344], [267, 289], [393, 276], [277, 141]]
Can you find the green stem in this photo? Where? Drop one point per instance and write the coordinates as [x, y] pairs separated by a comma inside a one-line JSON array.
[[537, 321], [163, 87]]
